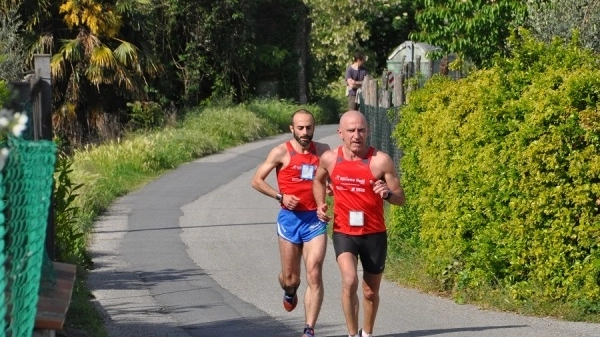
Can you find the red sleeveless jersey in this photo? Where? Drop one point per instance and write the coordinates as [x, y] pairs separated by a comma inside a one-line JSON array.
[[352, 191], [290, 181]]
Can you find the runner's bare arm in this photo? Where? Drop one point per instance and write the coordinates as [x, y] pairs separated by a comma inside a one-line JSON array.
[[274, 159], [320, 184], [389, 182]]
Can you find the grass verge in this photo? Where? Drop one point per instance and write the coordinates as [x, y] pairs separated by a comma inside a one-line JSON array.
[[118, 167]]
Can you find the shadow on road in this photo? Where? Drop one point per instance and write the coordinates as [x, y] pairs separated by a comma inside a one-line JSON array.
[[434, 332]]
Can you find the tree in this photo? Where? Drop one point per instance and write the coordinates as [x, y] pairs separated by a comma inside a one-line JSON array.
[[97, 63], [12, 53], [390, 24], [560, 18], [33, 12], [208, 45], [339, 28], [475, 30], [336, 32]]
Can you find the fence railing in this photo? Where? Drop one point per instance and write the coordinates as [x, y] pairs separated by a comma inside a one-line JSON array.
[[381, 106], [381, 101]]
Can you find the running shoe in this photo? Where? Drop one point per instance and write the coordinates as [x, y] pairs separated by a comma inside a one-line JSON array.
[[308, 332], [289, 303]]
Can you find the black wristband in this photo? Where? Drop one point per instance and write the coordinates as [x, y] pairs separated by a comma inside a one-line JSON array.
[[388, 196]]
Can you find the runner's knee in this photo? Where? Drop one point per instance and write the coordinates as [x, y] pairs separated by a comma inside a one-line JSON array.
[[314, 276], [290, 281]]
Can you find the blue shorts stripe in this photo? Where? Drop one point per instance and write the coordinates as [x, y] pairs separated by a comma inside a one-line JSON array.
[[299, 226]]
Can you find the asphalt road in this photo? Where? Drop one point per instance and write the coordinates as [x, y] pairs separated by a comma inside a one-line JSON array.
[[194, 253]]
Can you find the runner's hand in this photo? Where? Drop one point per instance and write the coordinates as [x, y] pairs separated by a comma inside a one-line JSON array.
[[322, 213], [290, 201], [380, 188]]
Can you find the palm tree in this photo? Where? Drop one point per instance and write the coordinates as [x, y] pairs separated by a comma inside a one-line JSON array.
[[97, 65]]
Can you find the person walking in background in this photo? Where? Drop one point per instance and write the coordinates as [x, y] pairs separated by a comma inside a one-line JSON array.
[[355, 73], [362, 178], [301, 233]]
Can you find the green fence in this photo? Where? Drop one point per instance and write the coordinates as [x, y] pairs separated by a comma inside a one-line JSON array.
[[382, 122], [25, 194]]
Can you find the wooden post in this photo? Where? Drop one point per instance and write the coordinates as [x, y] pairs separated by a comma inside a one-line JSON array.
[[399, 90], [42, 72], [374, 93], [365, 90], [43, 130], [431, 62], [384, 101]]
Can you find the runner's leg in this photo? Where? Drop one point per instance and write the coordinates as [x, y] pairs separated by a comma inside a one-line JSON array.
[[370, 288], [314, 254], [348, 263], [290, 255]]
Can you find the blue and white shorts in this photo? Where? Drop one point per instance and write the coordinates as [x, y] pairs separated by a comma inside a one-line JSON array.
[[299, 226]]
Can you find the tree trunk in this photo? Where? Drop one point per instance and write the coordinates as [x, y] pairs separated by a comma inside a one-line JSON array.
[[302, 51]]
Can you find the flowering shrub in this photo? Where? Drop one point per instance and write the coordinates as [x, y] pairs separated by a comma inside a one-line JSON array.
[[501, 172], [11, 125]]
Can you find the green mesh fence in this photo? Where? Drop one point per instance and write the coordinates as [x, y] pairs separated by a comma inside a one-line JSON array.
[[2, 259], [27, 186], [382, 122]]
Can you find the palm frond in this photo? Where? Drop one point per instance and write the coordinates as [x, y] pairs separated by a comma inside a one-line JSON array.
[[71, 50], [57, 65], [124, 6], [102, 57], [88, 41], [126, 53], [94, 74]]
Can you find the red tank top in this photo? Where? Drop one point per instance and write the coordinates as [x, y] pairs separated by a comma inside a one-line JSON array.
[[290, 181], [352, 191]]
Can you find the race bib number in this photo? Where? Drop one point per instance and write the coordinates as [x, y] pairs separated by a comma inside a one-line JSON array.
[[357, 218], [308, 172]]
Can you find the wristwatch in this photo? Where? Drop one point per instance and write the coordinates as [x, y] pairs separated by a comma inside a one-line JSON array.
[[279, 197], [388, 196]]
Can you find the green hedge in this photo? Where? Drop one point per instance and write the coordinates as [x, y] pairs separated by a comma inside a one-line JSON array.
[[4, 93], [502, 171]]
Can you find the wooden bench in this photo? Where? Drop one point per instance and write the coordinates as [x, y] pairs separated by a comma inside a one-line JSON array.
[[53, 304]]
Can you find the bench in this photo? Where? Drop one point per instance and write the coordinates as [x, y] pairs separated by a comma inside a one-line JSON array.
[[53, 304]]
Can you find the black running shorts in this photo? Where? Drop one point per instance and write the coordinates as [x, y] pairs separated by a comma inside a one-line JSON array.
[[371, 249]]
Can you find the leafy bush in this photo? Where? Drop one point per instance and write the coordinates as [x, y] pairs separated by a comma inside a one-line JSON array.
[[502, 171], [279, 112], [4, 92], [145, 115], [11, 48], [70, 239]]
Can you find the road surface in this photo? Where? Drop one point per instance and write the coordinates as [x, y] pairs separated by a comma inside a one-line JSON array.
[[194, 253]]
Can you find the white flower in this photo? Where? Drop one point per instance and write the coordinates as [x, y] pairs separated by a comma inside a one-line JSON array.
[[3, 156], [22, 119], [14, 123], [17, 129]]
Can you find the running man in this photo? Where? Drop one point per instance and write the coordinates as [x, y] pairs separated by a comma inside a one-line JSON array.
[[362, 177], [301, 233]]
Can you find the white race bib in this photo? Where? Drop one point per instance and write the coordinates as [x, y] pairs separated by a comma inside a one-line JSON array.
[[308, 172], [357, 218]]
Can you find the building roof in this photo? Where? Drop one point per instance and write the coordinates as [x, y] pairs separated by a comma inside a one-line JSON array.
[[424, 47]]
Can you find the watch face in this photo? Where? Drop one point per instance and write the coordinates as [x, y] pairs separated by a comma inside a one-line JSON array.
[[279, 197]]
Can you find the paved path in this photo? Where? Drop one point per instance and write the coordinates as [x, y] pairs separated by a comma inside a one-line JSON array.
[[194, 253]]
